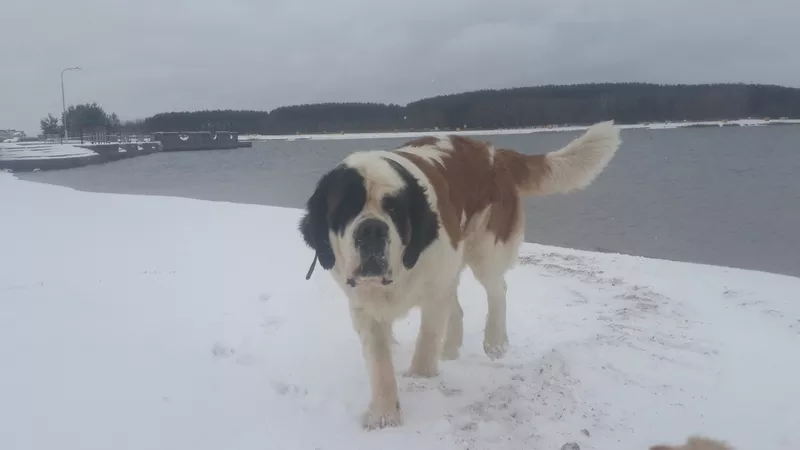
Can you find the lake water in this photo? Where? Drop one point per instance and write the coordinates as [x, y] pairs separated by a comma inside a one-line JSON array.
[[727, 196]]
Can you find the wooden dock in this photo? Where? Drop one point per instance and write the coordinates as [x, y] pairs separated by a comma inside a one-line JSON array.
[[175, 141]]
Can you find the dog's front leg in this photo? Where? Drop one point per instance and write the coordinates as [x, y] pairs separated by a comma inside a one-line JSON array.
[[384, 408]]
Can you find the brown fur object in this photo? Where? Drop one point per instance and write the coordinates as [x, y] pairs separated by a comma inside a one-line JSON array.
[[696, 443]]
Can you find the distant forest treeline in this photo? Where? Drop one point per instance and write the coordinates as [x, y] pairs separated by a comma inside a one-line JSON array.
[[504, 108]]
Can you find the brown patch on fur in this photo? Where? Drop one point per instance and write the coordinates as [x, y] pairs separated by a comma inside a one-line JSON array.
[[421, 142], [525, 170], [449, 213], [470, 179], [696, 443]]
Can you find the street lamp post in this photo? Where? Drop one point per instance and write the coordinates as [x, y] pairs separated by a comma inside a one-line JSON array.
[[64, 103]]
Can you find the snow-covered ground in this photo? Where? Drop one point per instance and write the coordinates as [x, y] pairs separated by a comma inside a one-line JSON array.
[[413, 134], [38, 150], [136, 322]]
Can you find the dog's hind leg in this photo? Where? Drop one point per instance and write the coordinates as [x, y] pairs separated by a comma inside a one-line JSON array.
[[495, 334], [454, 335], [489, 261], [425, 362]]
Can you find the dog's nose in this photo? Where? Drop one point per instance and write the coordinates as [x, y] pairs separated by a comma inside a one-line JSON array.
[[372, 230]]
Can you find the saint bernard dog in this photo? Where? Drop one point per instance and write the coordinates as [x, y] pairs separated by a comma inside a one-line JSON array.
[[396, 228]]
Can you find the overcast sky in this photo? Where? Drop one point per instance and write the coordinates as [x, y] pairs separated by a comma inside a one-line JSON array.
[[146, 56]]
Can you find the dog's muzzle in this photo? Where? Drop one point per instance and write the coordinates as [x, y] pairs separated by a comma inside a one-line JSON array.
[[371, 238]]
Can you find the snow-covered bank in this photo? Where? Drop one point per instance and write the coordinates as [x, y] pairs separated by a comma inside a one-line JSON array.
[[131, 322], [414, 134], [40, 150], [43, 156]]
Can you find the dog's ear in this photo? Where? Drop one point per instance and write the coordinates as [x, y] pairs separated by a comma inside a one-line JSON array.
[[314, 225], [339, 197], [422, 221]]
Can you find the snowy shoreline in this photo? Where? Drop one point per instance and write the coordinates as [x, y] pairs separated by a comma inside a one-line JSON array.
[[36, 150], [35, 156], [512, 131], [164, 323]]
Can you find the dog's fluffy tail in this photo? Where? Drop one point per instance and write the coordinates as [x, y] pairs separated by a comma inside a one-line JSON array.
[[572, 167]]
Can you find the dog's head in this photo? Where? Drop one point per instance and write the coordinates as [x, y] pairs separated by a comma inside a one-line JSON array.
[[369, 219]]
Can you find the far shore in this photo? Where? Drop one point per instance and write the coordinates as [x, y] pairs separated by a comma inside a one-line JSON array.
[[413, 134]]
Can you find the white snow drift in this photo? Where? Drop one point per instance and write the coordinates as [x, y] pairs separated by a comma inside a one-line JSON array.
[[132, 322]]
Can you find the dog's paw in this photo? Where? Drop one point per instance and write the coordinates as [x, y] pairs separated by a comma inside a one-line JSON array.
[[421, 372], [495, 350], [377, 418], [449, 354]]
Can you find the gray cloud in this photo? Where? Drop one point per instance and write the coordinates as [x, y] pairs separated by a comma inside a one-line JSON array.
[[150, 56]]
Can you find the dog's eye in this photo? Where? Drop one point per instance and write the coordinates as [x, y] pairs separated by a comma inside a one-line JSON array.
[[390, 205]]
